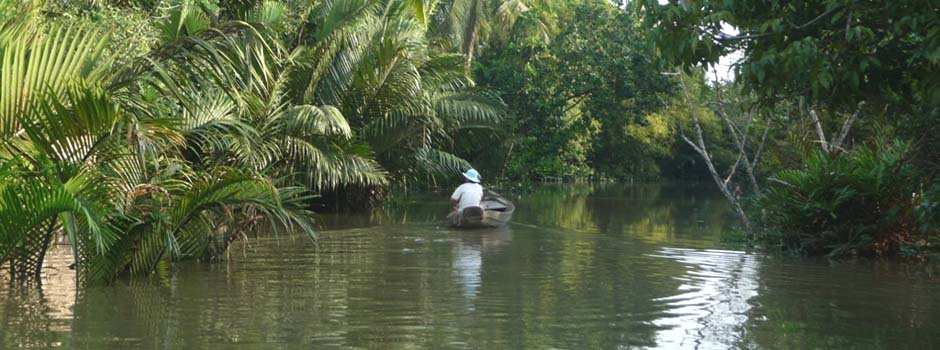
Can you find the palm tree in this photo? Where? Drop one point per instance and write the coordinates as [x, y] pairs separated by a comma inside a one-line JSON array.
[[71, 164], [264, 129], [228, 126], [372, 60], [465, 24]]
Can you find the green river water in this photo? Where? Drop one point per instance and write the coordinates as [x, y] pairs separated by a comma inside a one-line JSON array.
[[580, 267]]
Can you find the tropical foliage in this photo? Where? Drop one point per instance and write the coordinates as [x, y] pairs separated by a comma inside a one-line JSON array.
[[146, 132], [580, 103], [833, 80], [231, 122], [826, 206], [833, 51]]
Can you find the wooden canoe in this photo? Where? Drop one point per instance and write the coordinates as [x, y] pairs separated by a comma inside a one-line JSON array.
[[494, 211]]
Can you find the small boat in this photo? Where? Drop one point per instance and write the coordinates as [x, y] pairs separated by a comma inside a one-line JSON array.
[[494, 211]]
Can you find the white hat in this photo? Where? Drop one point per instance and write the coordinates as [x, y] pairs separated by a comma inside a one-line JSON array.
[[472, 175]]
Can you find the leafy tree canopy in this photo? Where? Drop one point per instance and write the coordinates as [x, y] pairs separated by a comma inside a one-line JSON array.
[[835, 52]]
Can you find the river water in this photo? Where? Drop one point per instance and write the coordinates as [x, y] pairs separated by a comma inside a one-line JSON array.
[[579, 267]]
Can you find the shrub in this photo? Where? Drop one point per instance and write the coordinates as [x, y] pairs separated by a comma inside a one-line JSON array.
[[865, 202]]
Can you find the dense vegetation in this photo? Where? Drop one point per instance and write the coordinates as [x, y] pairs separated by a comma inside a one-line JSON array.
[[150, 131], [863, 73], [582, 105], [223, 119]]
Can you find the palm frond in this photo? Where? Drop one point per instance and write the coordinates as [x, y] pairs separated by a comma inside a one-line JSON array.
[[269, 14], [200, 212], [72, 126], [341, 41], [27, 204], [461, 110], [326, 166], [185, 18], [439, 162], [34, 67], [312, 120]]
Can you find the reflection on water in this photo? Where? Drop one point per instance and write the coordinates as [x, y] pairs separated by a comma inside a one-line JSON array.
[[468, 255], [580, 267], [710, 307]]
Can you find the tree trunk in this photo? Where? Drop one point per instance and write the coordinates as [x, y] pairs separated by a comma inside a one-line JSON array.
[[740, 141], [722, 186]]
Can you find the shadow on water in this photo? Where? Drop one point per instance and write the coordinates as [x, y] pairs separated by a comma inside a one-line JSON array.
[[579, 267]]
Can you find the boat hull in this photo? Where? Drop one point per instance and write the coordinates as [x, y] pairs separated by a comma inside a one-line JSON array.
[[494, 211]]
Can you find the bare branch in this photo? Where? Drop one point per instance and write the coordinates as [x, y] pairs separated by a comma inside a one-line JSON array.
[[700, 148], [734, 168], [846, 127], [774, 179], [820, 134], [760, 149], [740, 141], [692, 144]]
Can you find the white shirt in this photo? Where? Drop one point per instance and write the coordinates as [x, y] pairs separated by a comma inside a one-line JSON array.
[[468, 195]]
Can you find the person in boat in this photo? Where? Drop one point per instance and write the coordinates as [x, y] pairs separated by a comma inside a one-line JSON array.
[[467, 195]]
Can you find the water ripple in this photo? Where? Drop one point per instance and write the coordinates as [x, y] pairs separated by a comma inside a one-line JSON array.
[[710, 308]]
